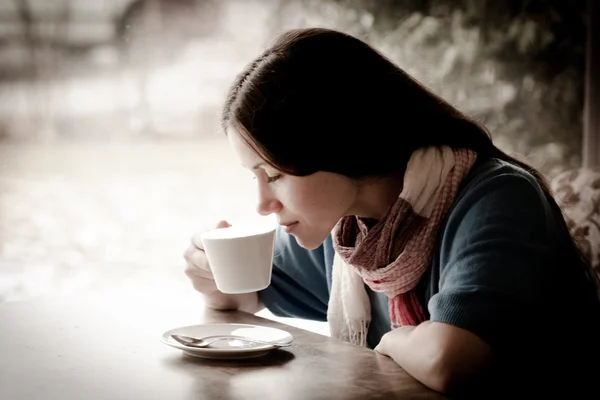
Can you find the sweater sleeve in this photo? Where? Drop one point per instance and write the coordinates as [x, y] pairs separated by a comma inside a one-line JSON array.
[[495, 259], [300, 280]]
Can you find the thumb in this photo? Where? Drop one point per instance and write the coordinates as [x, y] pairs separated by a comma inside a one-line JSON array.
[[223, 224]]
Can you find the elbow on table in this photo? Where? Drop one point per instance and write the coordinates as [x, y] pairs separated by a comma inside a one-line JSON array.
[[462, 359], [450, 377], [445, 381]]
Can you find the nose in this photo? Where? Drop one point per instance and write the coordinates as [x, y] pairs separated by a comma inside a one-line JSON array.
[[267, 203]]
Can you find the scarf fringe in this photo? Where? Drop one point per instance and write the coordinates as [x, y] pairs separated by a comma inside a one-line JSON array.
[[355, 333]]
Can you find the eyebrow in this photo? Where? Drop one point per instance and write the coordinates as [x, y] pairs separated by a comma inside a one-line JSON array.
[[258, 165]]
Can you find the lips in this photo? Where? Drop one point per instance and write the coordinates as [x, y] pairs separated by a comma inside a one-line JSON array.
[[287, 223], [288, 226]]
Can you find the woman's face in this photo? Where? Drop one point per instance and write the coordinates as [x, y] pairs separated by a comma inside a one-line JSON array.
[[308, 207]]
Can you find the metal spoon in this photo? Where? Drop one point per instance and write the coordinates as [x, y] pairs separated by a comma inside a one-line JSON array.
[[206, 341]]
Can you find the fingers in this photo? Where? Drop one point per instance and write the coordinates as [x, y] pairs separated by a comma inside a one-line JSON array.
[[223, 224], [196, 241], [201, 284], [196, 258], [195, 273], [189, 252], [197, 267], [199, 262]]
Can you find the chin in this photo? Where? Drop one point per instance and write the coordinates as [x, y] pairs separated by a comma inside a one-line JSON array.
[[309, 243]]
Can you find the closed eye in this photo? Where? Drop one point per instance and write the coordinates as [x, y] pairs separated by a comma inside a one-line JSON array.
[[273, 178]]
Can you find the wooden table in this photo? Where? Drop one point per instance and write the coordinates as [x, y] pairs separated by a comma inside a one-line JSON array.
[[109, 348]]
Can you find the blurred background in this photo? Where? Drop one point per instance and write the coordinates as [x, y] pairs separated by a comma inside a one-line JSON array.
[[110, 150]]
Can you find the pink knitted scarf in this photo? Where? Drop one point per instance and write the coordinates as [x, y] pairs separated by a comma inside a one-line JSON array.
[[392, 255]]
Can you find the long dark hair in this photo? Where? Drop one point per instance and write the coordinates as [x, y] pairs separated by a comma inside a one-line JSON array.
[[322, 100]]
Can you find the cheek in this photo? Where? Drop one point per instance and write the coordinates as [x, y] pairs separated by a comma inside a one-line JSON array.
[[323, 204], [299, 199]]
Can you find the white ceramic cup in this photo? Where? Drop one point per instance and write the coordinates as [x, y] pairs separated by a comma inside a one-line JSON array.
[[240, 257]]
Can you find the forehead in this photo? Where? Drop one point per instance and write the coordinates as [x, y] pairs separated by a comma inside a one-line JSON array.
[[247, 156]]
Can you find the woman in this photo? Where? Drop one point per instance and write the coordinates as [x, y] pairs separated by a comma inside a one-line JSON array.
[[414, 234]]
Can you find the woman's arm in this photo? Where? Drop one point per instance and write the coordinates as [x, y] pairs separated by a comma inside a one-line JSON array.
[[496, 266], [441, 356]]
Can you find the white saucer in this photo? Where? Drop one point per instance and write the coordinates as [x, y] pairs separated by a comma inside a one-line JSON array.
[[228, 349]]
